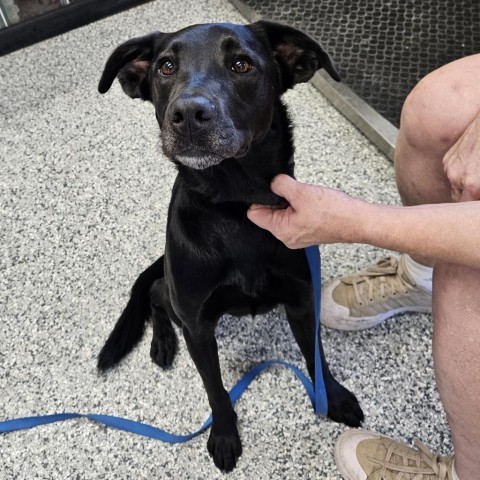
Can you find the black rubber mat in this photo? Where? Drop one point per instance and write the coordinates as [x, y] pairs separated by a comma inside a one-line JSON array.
[[383, 47], [41, 19]]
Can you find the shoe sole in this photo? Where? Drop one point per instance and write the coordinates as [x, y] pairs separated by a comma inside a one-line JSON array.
[[362, 323], [339, 321]]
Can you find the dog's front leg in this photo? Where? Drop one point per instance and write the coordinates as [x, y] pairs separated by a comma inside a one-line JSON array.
[[343, 406], [224, 442]]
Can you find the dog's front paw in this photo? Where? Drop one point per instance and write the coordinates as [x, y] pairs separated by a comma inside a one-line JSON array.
[[164, 348], [225, 449], [343, 406]]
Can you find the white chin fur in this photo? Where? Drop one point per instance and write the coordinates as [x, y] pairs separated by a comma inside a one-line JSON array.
[[199, 163]]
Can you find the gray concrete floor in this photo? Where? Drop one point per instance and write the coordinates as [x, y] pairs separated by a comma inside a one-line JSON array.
[[85, 191]]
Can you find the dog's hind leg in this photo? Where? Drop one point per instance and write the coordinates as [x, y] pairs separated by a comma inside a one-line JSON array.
[[130, 326], [343, 407], [164, 342]]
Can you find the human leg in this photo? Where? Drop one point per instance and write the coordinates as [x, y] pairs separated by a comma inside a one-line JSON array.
[[434, 117], [456, 351]]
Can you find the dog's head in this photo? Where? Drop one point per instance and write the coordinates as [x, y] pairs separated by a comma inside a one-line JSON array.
[[214, 86]]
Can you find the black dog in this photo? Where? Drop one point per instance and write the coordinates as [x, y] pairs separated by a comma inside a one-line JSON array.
[[216, 90]]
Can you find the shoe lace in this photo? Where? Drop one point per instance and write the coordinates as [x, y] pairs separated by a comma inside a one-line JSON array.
[[433, 464], [387, 275]]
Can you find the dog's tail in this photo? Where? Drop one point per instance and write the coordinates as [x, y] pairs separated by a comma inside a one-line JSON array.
[[130, 326]]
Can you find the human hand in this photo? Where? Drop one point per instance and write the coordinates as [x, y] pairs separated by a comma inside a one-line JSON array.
[[315, 215], [462, 165]]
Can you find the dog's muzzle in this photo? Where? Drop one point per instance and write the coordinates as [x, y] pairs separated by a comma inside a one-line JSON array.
[[198, 134]]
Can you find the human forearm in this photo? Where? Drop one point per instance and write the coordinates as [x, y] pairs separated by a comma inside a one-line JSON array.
[[449, 232]]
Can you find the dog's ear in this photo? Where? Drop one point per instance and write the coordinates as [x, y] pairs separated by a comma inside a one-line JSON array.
[[297, 54], [131, 62]]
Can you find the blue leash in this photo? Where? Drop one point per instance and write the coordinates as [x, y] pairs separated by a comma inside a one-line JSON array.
[[317, 395]]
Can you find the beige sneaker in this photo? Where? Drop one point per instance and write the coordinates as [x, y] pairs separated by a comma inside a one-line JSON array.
[[367, 298], [362, 455]]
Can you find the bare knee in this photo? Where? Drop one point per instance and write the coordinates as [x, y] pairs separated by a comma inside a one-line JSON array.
[[434, 116], [442, 105], [421, 145]]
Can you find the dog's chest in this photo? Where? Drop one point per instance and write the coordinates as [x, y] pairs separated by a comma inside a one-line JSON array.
[[251, 278], [220, 247]]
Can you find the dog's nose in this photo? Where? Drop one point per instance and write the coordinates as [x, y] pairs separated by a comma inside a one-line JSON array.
[[189, 115]]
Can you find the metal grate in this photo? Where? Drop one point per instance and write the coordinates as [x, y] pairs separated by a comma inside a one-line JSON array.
[[383, 47]]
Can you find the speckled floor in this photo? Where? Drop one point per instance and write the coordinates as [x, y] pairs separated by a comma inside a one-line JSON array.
[[84, 205]]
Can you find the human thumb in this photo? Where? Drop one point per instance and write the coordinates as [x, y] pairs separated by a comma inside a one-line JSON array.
[[269, 217], [285, 186], [261, 215]]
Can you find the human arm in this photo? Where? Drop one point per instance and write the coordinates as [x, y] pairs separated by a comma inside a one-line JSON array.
[[449, 232]]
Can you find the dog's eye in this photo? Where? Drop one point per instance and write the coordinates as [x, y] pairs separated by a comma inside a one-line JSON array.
[[167, 68], [241, 65]]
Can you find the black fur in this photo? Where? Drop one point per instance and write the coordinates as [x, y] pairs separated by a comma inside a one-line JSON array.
[[229, 135]]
